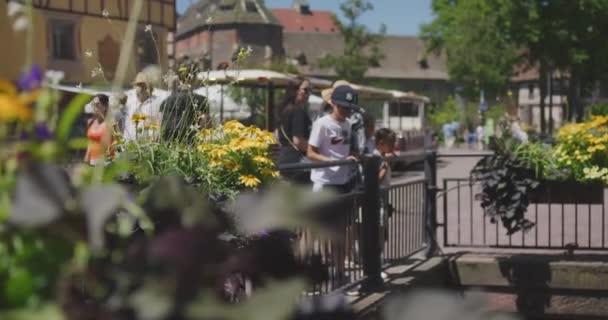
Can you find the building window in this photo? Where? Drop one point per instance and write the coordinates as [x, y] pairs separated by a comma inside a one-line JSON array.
[[147, 52], [227, 5], [403, 109], [250, 6], [62, 40], [530, 91]]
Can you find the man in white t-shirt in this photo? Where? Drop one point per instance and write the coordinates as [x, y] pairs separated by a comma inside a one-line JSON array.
[[143, 102], [330, 141]]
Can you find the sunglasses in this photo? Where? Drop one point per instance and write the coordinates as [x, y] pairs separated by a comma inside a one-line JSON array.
[[307, 90]]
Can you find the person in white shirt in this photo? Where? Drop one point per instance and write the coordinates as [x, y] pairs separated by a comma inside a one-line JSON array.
[[518, 132], [480, 133], [143, 116], [330, 139]]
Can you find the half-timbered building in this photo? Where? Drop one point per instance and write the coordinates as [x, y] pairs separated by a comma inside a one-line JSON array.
[[83, 37]]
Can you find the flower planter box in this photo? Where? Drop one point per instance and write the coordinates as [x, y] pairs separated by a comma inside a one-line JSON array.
[[568, 192]]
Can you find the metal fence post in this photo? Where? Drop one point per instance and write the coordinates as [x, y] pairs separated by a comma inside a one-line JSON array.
[[370, 226], [430, 173]]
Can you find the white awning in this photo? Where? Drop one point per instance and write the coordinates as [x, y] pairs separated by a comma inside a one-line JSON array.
[[409, 96]]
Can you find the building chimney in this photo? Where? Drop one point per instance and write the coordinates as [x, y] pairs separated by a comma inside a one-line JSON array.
[[302, 6]]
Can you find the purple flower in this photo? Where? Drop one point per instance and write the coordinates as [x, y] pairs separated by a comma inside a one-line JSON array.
[[43, 132], [31, 80]]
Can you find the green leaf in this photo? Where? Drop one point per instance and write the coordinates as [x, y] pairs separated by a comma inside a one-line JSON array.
[[70, 114], [78, 143], [19, 287], [99, 203], [46, 312]]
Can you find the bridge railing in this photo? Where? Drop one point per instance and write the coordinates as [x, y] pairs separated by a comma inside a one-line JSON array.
[[561, 221], [373, 228]]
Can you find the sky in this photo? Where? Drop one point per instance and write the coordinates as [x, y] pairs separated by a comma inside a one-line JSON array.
[[401, 17]]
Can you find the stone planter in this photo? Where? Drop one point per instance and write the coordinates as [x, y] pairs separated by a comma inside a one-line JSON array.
[[568, 192]]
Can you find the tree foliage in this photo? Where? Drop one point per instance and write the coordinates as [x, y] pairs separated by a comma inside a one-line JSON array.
[[472, 34], [487, 40], [361, 49], [444, 113]]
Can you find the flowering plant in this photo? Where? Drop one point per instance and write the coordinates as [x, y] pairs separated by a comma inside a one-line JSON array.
[[238, 155], [582, 150]]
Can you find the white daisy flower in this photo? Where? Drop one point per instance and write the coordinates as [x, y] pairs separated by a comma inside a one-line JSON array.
[[14, 8], [54, 76]]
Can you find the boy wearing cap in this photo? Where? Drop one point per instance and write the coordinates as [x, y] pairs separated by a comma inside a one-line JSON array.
[[330, 141]]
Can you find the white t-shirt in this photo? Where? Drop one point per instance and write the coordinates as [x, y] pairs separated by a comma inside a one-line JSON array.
[[150, 107], [385, 183], [333, 140]]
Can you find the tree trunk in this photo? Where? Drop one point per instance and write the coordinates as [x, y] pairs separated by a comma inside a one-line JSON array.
[[543, 94], [572, 92], [563, 99], [580, 111], [551, 124]]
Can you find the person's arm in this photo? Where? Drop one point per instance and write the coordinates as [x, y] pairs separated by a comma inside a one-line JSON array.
[[300, 143], [383, 170], [299, 129]]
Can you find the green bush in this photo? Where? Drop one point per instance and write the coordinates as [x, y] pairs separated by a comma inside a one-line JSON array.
[[598, 109], [444, 113]]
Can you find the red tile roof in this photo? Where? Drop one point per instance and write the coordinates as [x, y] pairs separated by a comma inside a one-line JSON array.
[[317, 21]]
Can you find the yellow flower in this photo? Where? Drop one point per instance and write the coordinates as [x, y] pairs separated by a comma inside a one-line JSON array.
[[596, 148], [268, 137], [14, 106], [204, 148], [139, 117], [215, 162], [233, 127], [237, 143], [152, 126], [249, 181], [262, 160], [231, 165], [206, 133], [254, 144], [218, 152], [271, 173]]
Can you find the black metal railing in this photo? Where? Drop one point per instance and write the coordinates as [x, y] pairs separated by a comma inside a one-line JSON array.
[[403, 221], [557, 225], [339, 253], [365, 240]]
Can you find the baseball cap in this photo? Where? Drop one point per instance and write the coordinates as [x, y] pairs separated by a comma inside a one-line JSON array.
[[326, 94], [346, 97]]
